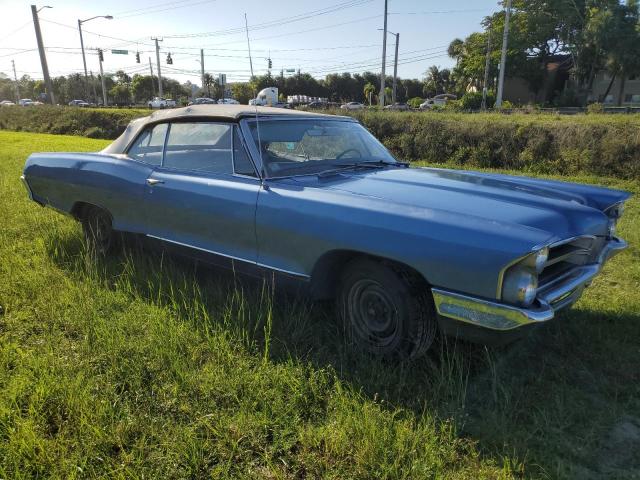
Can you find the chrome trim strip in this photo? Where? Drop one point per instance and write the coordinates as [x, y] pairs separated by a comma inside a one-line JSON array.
[[26, 185], [487, 314], [288, 272]]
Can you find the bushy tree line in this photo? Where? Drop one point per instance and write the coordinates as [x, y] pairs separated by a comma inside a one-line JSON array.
[[593, 36], [122, 89]]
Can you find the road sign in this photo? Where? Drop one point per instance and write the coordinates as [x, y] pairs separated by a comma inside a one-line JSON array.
[[290, 70], [120, 52], [222, 79]]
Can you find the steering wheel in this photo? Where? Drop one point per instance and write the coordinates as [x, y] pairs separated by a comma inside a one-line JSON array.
[[342, 154]]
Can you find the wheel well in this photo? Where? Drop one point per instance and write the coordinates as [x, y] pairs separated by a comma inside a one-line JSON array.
[[80, 210], [326, 273]]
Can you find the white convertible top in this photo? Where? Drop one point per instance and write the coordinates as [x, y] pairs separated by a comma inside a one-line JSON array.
[[220, 112]]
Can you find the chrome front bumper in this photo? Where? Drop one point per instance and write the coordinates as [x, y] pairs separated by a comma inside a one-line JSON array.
[[561, 293], [26, 185]]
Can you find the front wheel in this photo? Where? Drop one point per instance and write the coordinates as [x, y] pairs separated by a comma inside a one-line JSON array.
[[388, 310], [98, 230]]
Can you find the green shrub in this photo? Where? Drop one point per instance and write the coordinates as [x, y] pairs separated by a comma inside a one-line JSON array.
[[94, 123], [607, 145], [595, 108], [415, 102]]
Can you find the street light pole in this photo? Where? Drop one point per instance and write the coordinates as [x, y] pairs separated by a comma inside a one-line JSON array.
[[395, 70], [104, 88], [15, 77], [43, 57], [395, 66], [503, 56], [158, 60], [84, 60], [384, 56]]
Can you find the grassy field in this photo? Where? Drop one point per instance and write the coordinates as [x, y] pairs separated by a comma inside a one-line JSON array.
[[140, 366]]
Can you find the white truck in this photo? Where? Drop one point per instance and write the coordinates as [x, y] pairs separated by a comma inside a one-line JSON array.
[[266, 97], [159, 102]]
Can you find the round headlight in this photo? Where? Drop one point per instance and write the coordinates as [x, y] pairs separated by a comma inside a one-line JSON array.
[[541, 259], [612, 227], [520, 286]]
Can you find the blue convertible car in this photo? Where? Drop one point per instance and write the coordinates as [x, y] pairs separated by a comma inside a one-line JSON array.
[[404, 251]]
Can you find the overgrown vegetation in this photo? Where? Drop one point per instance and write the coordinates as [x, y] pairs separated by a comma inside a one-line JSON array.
[[143, 365], [88, 122], [593, 144]]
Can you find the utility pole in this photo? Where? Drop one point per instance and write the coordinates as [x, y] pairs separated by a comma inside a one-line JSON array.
[[93, 86], [503, 56], [84, 60], [15, 77], [158, 60], [43, 57], [202, 67], [395, 71], [153, 87], [487, 64], [104, 89], [246, 27], [384, 56]]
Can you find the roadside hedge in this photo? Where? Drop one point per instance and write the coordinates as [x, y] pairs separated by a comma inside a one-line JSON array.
[[606, 145], [87, 122]]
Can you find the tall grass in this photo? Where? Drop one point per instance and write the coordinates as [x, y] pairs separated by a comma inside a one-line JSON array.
[[145, 365]]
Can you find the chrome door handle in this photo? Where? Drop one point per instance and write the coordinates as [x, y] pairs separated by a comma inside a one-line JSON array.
[[153, 181]]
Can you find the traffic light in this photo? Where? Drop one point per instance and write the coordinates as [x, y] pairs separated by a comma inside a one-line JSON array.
[[137, 57], [100, 55], [169, 59], [270, 63]]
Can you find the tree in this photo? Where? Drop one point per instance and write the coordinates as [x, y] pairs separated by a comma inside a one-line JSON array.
[[143, 87], [369, 90], [209, 82], [242, 92]]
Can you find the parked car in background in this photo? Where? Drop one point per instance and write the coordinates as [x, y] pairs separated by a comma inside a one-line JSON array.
[[6, 103], [202, 101], [317, 105], [228, 101], [25, 102], [159, 102], [400, 107], [79, 103], [403, 251], [437, 101], [352, 106]]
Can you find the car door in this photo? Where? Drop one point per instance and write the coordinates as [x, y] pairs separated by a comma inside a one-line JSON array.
[[204, 193]]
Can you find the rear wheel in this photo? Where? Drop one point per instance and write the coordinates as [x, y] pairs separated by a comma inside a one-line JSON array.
[[387, 310], [98, 230]]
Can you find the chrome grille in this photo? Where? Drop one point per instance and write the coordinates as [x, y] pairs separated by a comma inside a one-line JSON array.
[[566, 255]]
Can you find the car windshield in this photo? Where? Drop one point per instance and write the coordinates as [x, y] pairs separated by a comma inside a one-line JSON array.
[[310, 146]]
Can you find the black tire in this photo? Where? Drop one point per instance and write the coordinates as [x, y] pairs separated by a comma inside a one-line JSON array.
[[98, 230], [387, 310]]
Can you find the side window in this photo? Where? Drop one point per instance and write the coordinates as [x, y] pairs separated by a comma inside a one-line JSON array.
[[199, 146], [242, 164], [148, 146]]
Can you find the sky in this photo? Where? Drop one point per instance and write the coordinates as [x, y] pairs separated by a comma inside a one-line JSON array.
[[318, 37]]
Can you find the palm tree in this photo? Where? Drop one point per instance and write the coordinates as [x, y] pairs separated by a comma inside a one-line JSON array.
[[369, 90], [208, 82], [456, 49]]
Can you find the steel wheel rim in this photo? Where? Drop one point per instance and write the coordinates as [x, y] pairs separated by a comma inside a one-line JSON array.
[[372, 313]]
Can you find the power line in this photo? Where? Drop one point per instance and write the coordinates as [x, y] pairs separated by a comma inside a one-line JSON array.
[[150, 12], [277, 22]]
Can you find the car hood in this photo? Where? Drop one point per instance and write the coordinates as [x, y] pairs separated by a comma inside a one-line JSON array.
[[561, 209]]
